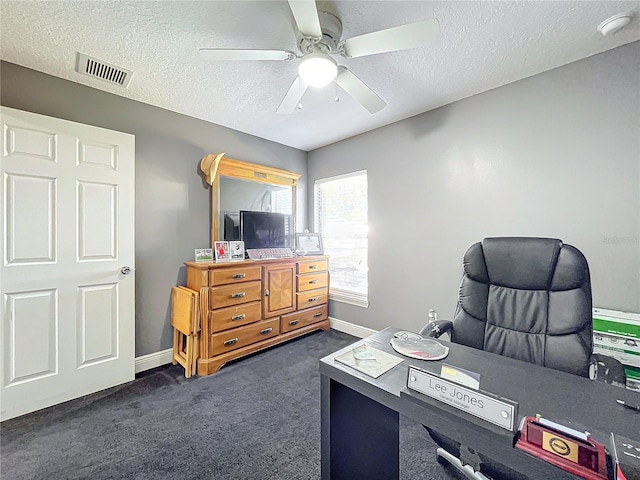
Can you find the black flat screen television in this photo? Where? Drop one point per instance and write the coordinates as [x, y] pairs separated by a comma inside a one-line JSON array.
[[266, 229]]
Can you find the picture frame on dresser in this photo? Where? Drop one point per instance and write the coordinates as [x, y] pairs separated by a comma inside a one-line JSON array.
[[221, 250], [236, 250], [310, 242], [203, 254]]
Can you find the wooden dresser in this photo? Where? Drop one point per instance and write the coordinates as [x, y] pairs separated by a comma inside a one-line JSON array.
[[256, 304]]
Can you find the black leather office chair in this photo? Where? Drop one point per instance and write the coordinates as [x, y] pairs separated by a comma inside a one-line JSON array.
[[529, 299]]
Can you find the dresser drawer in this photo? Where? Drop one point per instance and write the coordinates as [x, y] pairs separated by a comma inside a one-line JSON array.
[[312, 298], [291, 321], [230, 340], [236, 316], [224, 276], [312, 281], [312, 266], [227, 295]]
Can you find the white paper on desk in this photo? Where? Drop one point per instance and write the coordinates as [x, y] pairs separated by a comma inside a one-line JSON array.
[[460, 375], [561, 428], [382, 362]]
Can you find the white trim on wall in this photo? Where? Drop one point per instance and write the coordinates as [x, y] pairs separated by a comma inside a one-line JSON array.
[[351, 328], [153, 360]]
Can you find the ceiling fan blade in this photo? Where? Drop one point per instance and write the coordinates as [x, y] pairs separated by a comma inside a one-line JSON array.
[[305, 13], [358, 90], [293, 96], [412, 35], [230, 54]]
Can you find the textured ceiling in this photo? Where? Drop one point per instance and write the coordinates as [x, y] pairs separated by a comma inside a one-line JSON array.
[[483, 45]]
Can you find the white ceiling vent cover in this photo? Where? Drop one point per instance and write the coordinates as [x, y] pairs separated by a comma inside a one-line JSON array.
[[95, 68]]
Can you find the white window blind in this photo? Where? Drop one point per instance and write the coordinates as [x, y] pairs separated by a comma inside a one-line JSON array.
[[340, 216], [282, 201]]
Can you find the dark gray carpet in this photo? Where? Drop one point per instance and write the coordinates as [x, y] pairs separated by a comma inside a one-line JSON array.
[[258, 418]]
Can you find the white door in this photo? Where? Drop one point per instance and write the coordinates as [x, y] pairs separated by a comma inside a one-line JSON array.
[[67, 240]]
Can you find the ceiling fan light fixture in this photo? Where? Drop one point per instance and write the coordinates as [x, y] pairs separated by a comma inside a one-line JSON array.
[[317, 69]]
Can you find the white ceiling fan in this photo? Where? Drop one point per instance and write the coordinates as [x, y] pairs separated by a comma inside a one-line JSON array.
[[319, 36]]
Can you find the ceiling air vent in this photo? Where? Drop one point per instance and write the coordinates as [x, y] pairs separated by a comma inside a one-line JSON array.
[[95, 68]]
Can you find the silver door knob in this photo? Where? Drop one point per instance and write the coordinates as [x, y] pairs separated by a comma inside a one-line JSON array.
[[125, 270]]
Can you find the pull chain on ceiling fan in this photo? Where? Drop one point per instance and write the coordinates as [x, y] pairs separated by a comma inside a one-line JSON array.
[[319, 35]]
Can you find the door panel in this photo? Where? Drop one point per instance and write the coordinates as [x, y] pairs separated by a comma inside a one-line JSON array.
[[31, 143], [67, 311], [97, 323], [279, 295], [97, 221], [30, 206], [32, 321], [100, 155]]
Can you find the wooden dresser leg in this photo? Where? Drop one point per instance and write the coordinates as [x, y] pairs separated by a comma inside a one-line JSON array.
[[209, 366]]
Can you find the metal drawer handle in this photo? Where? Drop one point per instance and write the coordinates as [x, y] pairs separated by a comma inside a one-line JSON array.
[[313, 282], [238, 295], [238, 317], [313, 299], [238, 275], [319, 314], [294, 322], [266, 330], [313, 267], [230, 342]]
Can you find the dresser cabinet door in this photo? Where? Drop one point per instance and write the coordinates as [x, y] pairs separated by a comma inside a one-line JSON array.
[[278, 290]]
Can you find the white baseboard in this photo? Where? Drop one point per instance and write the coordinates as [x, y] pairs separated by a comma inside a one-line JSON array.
[[153, 360], [351, 328]]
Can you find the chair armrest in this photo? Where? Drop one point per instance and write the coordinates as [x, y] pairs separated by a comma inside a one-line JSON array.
[[608, 370], [436, 328]]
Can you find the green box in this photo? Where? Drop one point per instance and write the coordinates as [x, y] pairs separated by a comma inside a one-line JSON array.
[[620, 327], [617, 335], [633, 378]]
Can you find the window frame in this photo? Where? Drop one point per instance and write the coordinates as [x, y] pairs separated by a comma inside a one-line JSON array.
[[338, 294]]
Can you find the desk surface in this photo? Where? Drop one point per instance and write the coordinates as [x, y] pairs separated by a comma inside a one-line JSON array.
[[568, 399]]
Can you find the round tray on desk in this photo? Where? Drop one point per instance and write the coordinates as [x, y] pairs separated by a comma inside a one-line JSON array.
[[420, 348]]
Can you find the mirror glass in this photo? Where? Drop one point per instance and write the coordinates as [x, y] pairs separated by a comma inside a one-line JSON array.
[[237, 194]]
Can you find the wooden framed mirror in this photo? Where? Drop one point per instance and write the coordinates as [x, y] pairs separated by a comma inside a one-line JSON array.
[[236, 185]]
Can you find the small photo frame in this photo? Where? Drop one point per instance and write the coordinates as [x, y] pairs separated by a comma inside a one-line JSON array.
[[204, 254], [221, 251], [311, 242], [236, 250]]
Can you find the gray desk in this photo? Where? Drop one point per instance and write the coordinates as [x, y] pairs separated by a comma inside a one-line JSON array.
[[360, 414]]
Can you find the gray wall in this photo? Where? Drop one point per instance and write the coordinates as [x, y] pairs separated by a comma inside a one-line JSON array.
[[172, 200], [553, 155], [557, 154]]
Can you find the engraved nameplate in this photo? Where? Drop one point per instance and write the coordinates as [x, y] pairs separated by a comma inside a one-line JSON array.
[[481, 405]]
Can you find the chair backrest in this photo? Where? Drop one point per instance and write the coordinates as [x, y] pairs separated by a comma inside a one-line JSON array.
[[529, 299]]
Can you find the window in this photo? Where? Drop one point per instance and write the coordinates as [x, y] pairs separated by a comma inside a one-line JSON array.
[[340, 216], [281, 200]]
